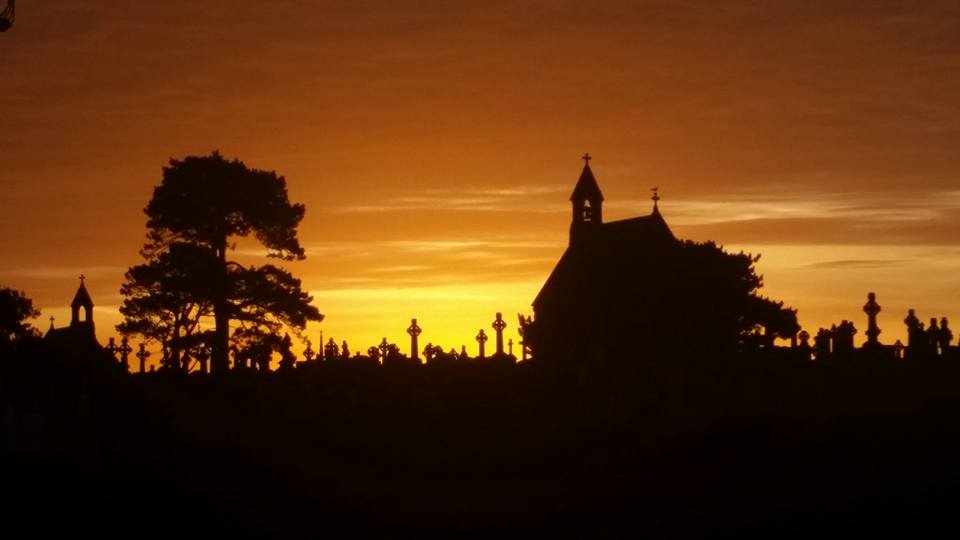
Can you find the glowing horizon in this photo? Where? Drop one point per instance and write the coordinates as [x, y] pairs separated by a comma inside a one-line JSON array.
[[394, 281]]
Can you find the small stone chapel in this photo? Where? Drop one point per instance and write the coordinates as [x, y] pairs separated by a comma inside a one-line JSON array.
[[80, 336], [600, 298]]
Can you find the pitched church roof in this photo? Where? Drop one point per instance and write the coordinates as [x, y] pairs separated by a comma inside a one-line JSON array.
[[639, 232], [608, 252]]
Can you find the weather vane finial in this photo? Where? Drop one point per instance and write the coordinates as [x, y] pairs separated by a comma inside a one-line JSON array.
[[586, 158], [656, 196]]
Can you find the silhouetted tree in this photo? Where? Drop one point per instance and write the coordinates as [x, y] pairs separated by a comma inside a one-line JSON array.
[[771, 320], [15, 309], [208, 202], [266, 299], [693, 298], [287, 358], [716, 294], [165, 298]]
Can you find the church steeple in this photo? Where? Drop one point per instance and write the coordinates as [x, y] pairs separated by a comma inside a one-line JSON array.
[[587, 202], [81, 300]]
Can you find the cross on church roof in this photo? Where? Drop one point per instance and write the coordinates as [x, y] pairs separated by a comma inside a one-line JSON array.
[[586, 158], [82, 277]]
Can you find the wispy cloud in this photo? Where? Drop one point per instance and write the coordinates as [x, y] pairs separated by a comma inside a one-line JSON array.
[[446, 292], [460, 245], [866, 206], [408, 268], [432, 245], [65, 273], [855, 264], [512, 199], [919, 217]]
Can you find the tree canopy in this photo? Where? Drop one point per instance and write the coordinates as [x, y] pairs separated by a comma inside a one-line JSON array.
[[202, 205], [720, 291], [713, 296], [208, 200], [686, 299], [166, 298], [15, 310]]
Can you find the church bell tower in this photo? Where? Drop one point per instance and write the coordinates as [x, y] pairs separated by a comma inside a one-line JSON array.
[[82, 301], [587, 204]]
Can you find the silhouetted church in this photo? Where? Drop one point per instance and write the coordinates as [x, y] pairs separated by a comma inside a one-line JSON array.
[[80, 336], [600, 299]]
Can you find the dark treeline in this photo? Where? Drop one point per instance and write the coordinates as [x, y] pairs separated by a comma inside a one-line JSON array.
[[670, 447]]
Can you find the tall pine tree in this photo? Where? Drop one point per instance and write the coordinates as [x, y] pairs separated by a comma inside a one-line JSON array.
[[201, 207]]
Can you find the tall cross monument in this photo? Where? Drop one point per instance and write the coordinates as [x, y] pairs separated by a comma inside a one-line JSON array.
[[414, 331]]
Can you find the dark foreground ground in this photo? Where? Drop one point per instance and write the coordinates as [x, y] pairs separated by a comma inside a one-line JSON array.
[[664, 449]]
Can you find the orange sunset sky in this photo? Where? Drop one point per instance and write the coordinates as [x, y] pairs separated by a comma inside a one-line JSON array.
[[435, 144]]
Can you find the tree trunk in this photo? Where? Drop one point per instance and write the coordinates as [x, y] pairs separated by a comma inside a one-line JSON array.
[[219, 361], [175, 346]]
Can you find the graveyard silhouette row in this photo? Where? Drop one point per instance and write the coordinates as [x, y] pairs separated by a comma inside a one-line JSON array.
[[835, 343], [623, 291]]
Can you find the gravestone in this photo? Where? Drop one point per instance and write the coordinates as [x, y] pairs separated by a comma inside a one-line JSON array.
[[414, 331], [482, 339]]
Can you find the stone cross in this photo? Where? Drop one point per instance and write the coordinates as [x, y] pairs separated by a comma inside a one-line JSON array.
[[308, 353], [125, 351], [913, 331], [499, 324], [945, 337], [898, 350], [112, 348], [413, 331], [872, 308], [510, 344], [933, 336], [143, 354], [331, 351], [384, 348], [481, 339]]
